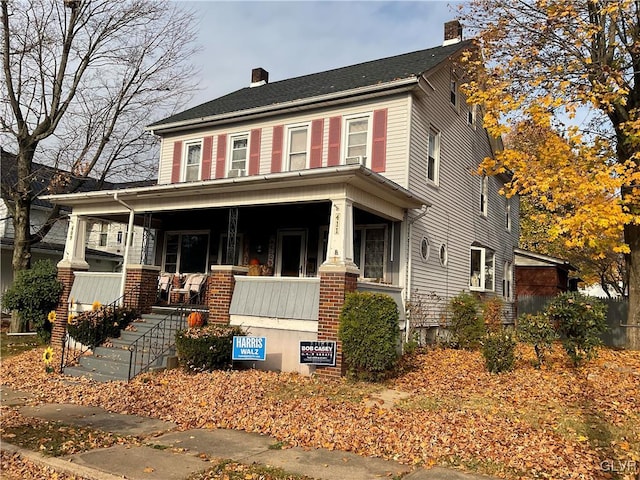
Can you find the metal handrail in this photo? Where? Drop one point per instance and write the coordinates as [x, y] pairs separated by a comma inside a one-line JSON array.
[[105, 315], [159, 339]]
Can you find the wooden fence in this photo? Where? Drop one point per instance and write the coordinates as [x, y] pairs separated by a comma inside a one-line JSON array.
[[617, 310]]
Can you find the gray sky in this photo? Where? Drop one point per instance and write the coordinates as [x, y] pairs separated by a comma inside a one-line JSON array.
[[293, 38]]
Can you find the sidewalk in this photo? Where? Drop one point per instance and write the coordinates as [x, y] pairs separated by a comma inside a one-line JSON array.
[[169, 454]]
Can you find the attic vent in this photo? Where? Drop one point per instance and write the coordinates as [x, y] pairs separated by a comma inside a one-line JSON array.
[[259, 76], [452, 33]]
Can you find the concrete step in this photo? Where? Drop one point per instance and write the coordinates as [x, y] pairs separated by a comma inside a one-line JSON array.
[[79, 371]]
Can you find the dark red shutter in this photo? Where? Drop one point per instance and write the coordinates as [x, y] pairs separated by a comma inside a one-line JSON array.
[[207, 156], [317, 131], [379, 143], [177, 160], [221, 156], [254, 152], [335, 127], [276, 150]]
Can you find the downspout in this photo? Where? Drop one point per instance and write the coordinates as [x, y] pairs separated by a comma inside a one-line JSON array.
[[123, 282], [410, 222]]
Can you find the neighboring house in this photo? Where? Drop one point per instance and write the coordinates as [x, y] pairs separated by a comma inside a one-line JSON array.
[[542, 275], [104, 245], [360, 177]]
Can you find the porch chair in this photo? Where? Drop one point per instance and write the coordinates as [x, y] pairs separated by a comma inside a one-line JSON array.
[[165, 283], [192, 287]]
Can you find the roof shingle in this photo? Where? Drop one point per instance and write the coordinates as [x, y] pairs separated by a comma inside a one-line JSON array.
[[385, 70]]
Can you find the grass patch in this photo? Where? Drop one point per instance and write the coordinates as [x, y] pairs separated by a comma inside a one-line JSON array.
[[14, 344], [230, 470]]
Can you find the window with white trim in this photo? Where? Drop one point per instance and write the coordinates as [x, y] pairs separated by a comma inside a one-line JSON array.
[[104, 233], [298, 147], [357, 139], [507, 281], [193, 156], [443, 255], [433, 162], [482, 269], [471, 116], [453, 90], [238, 154], [186, 252], [484, 195], [369, 244], [425, 249], [507, 214]]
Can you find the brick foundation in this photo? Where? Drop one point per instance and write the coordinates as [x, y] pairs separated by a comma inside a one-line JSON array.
[[333, 288], [219, 291], [66, 275]]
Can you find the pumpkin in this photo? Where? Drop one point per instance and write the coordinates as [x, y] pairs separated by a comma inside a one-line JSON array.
[[195, 320]]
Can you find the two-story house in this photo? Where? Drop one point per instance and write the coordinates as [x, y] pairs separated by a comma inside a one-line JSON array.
[[288, 194]]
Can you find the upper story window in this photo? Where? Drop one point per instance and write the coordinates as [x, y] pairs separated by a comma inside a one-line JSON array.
[[484, 195], [298, 147], [453, 90], [193, 154], [357, 139], [507, 214], [238, 154], [471, 116], [433, 163], [482, 269]]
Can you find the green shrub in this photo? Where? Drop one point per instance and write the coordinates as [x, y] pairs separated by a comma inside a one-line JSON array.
[[94, 327], [498, 349], [370, 335], [538, 331], [33, 294], [467, 326], [206, 348], [580, 321]]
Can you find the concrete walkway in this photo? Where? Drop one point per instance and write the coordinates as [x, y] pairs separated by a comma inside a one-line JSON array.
[[169, 454]]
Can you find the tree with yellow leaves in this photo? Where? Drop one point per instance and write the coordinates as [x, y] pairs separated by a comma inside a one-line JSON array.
[[549, 65]]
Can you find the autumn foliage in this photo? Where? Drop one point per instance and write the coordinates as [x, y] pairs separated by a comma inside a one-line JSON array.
[[555, 422]]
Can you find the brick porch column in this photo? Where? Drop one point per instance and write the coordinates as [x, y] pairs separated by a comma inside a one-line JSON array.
[[141, 287], [335, 283], [66, 275], [219, 291]]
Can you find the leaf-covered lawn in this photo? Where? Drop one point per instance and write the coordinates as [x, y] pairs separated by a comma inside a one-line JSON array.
[[556, 422]]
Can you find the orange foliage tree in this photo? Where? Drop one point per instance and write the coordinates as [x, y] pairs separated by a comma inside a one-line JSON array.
[[569, 66]]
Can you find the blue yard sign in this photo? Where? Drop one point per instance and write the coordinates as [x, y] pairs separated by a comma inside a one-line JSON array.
[[249, 348]]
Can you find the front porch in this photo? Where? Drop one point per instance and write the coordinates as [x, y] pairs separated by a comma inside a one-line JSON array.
[[330, 230]]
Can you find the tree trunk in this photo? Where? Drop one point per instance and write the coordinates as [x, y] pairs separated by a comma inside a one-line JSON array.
[[17, 325], [632, 238]]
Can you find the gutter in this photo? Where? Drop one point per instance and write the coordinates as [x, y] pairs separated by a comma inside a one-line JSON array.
[[128, 240]]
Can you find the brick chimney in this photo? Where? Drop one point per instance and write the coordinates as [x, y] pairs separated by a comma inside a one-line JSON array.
[[452, 33], [259, 76]]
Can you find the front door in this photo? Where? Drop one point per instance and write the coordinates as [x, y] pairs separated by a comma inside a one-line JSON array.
[[291, 253]]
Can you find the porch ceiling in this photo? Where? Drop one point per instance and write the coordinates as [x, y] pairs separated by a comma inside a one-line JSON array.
[[367, 189]]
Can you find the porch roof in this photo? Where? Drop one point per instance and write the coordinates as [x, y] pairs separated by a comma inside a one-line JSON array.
[[366, 188]]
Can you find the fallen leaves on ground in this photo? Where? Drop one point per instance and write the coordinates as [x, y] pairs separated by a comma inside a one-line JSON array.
[[14, 467], [556, 422]]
